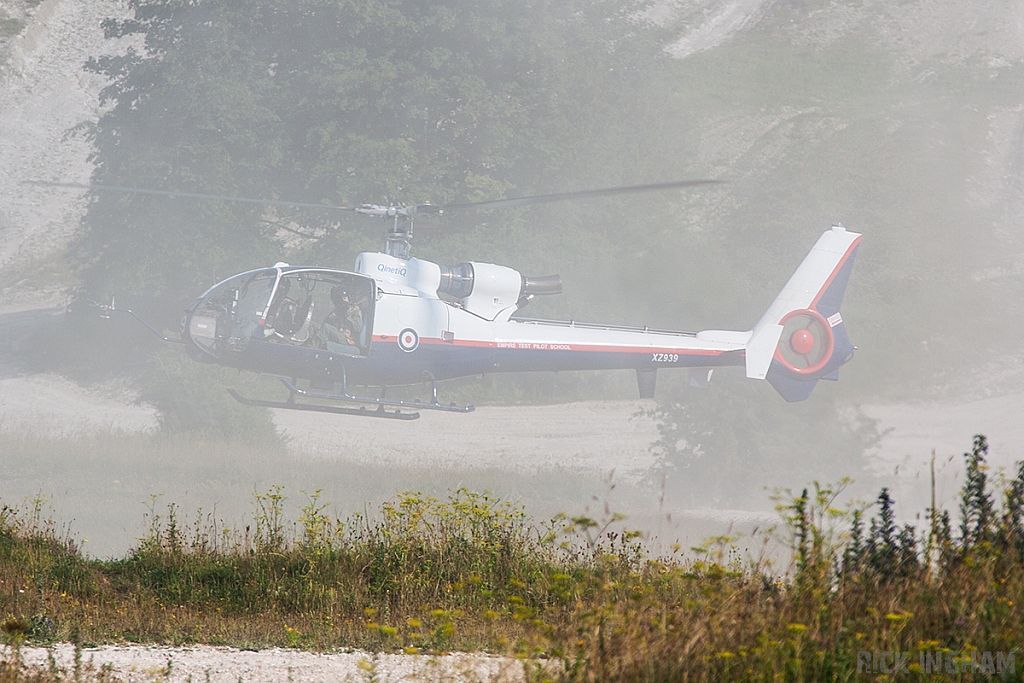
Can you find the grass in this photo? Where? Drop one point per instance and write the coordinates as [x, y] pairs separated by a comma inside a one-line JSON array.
[[465, 573], [472, 572]]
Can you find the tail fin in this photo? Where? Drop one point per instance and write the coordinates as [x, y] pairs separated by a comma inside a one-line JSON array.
[[801, 338]]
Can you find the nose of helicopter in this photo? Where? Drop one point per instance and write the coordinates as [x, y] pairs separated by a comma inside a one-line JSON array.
[[186, 317]]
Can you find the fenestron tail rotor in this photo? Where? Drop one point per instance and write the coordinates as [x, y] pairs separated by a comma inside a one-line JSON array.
[[806, 342]]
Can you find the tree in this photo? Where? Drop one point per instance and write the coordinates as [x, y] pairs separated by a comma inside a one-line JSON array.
[[723, 445]]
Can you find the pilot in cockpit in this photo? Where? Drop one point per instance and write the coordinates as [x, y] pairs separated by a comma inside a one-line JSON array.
[[286, 317], [343, 325]]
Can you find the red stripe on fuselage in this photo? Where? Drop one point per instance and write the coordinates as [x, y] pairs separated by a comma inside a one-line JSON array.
[[835, 271], [542, 346]]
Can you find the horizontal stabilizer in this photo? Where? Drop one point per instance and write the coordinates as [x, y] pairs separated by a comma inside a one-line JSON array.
[[761, 349]]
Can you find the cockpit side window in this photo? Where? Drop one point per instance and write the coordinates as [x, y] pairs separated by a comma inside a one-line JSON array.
[[322, 309], [228, 317]]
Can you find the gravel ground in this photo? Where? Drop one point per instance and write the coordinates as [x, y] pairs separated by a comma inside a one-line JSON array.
[[227, 665], [50, 405], [596, 435]]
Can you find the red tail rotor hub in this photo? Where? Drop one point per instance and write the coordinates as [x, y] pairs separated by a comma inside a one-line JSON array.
[[806, 344]]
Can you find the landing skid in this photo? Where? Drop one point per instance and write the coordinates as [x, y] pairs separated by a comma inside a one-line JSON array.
[[361, 411], [433, 404]]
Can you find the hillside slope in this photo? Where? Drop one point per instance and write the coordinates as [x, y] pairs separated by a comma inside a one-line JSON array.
[[47, 104], [904, 122]]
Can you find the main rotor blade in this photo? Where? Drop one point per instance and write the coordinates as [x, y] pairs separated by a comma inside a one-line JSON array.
[[188, 195], [582, 194], [493, 204]]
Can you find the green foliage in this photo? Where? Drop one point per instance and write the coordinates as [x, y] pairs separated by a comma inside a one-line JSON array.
[[724, 444], [888, 552], [192, 398], [882, 544], [987, 537], [976, 508], [37, 556], [813, 523], [1011, 528], [270, 536]]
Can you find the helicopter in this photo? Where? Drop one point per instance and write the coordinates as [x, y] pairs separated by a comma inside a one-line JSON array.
[[395, 320]]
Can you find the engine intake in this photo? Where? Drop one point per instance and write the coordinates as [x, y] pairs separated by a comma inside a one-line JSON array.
[[490, 290], [457, 280]]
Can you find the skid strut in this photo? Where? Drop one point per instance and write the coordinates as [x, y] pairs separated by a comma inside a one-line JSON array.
[[290, 404], [381, 402], [433, 404]]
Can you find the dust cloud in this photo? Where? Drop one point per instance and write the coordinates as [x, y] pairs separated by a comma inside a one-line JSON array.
[[905, 123]]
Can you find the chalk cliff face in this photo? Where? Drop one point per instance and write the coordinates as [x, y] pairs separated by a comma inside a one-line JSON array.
[[47, 105], [946, 30]]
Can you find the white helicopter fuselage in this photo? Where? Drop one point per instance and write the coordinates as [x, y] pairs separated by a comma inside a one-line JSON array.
[[395, 321], [477, 334]]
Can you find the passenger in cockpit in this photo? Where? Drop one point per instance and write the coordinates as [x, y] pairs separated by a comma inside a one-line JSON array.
[[287, 319]]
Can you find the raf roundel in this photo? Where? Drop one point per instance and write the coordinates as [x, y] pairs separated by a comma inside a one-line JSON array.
[[408, 340]]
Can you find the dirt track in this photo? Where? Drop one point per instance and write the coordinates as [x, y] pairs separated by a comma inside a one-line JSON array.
[[227, 665], [598, 435]]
